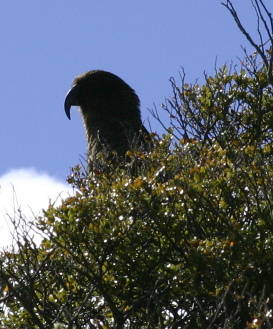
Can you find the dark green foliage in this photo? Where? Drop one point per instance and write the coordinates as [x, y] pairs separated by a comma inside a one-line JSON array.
[[187, 242]]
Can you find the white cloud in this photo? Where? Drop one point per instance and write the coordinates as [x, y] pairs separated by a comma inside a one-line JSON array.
[[30, 191]]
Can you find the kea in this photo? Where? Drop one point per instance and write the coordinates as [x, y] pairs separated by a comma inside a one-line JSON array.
[[111, 115]]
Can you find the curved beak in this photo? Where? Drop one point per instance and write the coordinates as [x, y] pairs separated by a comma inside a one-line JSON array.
[[71, 99]]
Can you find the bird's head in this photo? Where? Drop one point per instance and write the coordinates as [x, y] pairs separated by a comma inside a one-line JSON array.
[[99, 91]]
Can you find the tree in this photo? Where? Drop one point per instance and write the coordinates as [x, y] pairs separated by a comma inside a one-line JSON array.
[[187, 243]]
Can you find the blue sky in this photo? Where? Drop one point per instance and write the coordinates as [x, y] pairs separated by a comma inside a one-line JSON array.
[[44, 44]]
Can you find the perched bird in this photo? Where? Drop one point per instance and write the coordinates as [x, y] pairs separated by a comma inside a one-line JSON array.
[[111, 114]]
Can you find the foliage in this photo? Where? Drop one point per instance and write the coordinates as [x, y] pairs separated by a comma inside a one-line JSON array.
[[184, 243], [180, 237]]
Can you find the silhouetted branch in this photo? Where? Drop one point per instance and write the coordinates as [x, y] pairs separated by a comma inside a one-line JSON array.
[[264, 16]]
